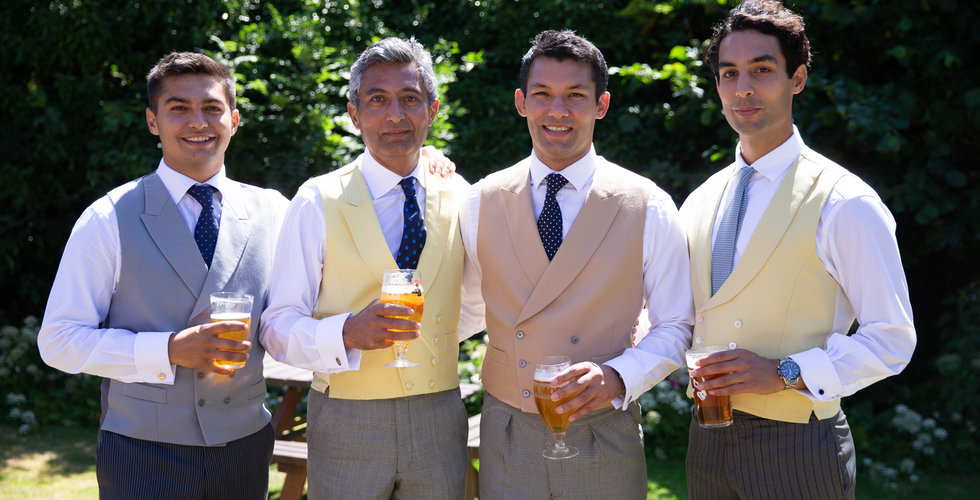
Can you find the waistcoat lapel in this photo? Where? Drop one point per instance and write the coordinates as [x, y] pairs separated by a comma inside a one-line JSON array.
[[583, 238], [358, 210], [440, 218], [232, 236], [785, 204], [169, 232]]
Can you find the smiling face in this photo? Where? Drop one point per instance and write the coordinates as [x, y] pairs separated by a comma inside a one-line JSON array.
[[561, 110], [195, 123], [755, 93], [393, 115]]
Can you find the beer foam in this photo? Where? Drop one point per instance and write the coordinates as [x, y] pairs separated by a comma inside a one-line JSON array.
[[398, 289]]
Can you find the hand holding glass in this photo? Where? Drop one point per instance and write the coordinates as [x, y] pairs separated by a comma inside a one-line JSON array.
[[545, 370], [712, 411], [232, 306], [403, 287]]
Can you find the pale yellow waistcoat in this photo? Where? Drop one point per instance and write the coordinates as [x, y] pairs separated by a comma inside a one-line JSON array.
[[357, 255], [581, 304], [779, 300]]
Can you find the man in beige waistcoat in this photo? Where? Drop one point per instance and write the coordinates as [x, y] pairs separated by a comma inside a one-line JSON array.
[[375, 431], [787, 248], [569, 246]]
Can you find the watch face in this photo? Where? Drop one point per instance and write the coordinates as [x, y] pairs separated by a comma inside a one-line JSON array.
[[789, 370]]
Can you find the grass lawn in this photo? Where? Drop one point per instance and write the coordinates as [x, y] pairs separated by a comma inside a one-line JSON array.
[[59, 462]]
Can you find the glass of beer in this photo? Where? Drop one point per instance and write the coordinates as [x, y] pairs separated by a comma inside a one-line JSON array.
[[403, 287], [712, 411], [545, 370], [232, 306]]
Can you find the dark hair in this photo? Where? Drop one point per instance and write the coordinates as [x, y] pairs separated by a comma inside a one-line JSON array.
[[565, 44], [769, 17], [187, 63], [393, 50]]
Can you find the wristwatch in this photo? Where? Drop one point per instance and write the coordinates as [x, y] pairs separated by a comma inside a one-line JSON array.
[[789, 371]]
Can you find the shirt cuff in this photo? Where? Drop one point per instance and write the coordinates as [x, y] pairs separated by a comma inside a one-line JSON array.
[[620, 366], [151, 355], [816, 369], [334, 356]]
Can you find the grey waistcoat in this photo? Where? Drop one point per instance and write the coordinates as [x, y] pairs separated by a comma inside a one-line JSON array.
[[165, 285]]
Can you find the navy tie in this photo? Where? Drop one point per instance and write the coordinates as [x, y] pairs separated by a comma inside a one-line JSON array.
[[206, 230], [413, 231], [549, 222]]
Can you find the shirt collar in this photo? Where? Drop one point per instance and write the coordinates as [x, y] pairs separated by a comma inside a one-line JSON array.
[[177, 183], [380, 181], [578, 173], [774, 163]]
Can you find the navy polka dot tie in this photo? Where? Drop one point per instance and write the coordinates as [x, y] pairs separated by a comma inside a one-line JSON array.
[[206, 230], [413, 231], [549, 222]]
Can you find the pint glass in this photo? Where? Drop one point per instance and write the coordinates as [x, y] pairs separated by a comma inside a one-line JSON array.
[[232, 306], [712, 411]]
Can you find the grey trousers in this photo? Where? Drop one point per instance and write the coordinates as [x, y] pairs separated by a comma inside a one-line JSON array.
[[401, 448], [610, 464], [131, 469], [757, 458]]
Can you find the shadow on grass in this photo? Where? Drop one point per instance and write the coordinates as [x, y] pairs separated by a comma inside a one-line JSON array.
[[60, 451]]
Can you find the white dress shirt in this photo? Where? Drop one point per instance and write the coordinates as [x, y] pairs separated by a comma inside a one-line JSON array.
[[666, 270], [856, 244], [70, 338], [289, 332]]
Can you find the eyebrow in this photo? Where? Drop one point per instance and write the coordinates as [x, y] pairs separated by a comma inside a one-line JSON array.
[[577, 86], [379, 90], [754, 60], [184, 100]]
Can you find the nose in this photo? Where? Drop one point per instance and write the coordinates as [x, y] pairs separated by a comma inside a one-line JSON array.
[[196, 119], [557, 108], [743, 87], [395, 113]]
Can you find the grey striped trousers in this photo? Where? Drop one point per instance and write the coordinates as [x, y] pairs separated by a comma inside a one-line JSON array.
[[757, 458], [132, 469]]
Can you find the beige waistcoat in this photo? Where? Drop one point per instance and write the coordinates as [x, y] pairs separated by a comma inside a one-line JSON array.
[[779, 300], [581, 304], [357, 255]]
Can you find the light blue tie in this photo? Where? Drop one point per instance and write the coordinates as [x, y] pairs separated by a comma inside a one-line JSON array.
[[723, 253]]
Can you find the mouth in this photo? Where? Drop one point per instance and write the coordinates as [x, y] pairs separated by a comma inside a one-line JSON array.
[[199, 140], [557, 130], [397, 134], [746, 111]]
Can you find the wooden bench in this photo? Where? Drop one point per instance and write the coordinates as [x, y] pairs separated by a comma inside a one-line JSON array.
[[291, 457]]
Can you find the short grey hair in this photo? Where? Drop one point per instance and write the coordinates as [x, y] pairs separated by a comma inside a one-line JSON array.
[[394, 50]]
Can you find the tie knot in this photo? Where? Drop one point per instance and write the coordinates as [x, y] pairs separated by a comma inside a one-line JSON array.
[[555, 182], [203, 193], [745, 175], [408, 185]]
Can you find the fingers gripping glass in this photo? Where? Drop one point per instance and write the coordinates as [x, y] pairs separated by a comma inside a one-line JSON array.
[[403, 287]]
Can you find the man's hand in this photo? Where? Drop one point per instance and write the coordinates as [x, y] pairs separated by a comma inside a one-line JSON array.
[[198, 346], [438, 162], [593, 386], [742, 372], [373, 327]]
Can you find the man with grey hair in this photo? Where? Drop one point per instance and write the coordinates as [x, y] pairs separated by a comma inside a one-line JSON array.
[[376, 431]]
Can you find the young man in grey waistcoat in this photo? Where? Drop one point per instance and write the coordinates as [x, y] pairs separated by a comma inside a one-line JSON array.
[[130, 303]]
